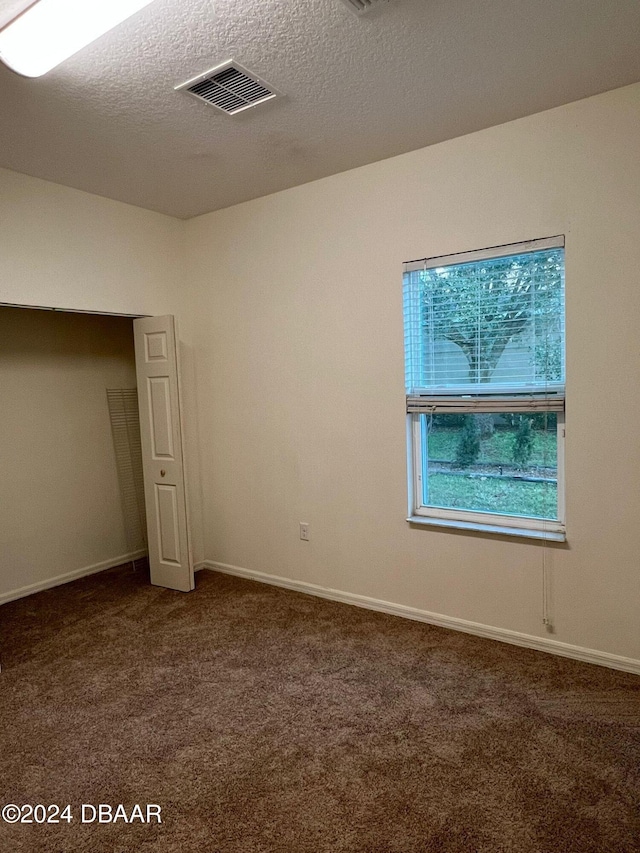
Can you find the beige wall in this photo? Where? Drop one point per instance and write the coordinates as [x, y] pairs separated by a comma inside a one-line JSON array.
[[296, 318], [59, 494], [63, 248]]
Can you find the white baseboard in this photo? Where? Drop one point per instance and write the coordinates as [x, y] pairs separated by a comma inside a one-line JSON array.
[[70, 576], [504, 635]]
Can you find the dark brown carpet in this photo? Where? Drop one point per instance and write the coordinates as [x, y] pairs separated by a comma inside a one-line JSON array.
[[263, 720]]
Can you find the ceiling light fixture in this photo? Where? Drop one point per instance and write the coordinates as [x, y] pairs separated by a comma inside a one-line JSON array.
[[50, 31]]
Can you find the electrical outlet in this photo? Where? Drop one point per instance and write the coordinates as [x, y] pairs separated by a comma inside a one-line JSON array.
[[304, 531]]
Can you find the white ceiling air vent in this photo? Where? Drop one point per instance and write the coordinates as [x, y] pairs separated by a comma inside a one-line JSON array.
[[362, 6], [229, 87]]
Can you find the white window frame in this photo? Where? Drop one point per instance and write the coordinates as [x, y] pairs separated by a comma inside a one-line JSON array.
[[470, 400], [420, 513]]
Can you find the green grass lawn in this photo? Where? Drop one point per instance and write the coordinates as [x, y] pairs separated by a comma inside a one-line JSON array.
[[501, 495], [497, 449]]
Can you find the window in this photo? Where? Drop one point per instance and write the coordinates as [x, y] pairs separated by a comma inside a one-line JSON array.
[[484, 354]]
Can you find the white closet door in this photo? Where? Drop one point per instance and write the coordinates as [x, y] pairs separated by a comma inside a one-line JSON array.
[[164, 486]]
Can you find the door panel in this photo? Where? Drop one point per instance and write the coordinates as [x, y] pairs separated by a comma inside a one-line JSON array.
[[155, 346], [161, 417], [168, 525], [158, 389]]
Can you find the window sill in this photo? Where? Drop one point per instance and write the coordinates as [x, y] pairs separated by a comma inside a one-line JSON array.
[[520, 532]]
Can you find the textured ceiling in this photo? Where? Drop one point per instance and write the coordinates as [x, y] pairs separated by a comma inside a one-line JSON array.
[[358, 89]]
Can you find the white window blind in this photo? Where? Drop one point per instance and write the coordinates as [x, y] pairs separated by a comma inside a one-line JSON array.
[[486, 325]]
